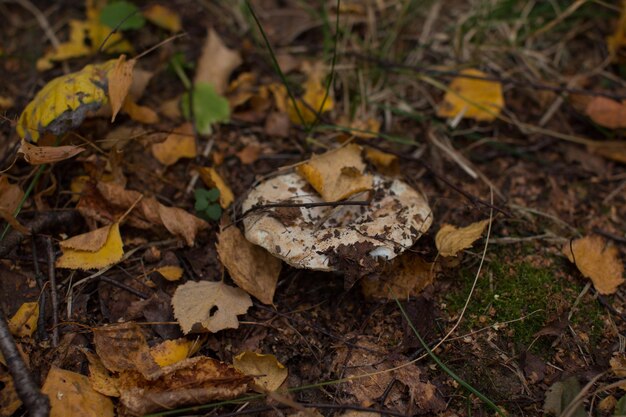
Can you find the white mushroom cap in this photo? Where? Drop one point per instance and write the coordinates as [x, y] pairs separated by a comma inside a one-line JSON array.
[[396, 217]]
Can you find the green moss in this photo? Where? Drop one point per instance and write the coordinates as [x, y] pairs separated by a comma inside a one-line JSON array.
[[509, 290]]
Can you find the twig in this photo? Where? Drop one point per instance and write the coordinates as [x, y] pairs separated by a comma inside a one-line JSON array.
[[609, 235], [124, 287], [41, 319], [35, 402], [53, 292], [42, 222]]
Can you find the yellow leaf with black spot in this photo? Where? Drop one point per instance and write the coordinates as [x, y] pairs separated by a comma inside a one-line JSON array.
[[94, 250], [24, 322]]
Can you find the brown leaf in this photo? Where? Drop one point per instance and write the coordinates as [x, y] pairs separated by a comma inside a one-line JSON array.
[[607, 112], [120, 80], [9, 400], [71, 395], [209, 306], [268, 373], [216, 62], [188, 382], [406, 276], [123, 347], [598, 261], [252, 268], [249, 154], [100, 378], [180, 223], [450, 240], [38, 155], [615, 150], [10, 194]]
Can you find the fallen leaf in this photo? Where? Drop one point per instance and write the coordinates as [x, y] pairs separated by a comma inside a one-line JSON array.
[[477, 99], [560, 395], [249, 154], [123, 347], [180, 223], [9, 400], [211, 179], [192, 381], [405, 276], [384, 162], [607, 112], [209, 107], [450, 240], [87, 38], [6, 102], [598, 261], [71, 395], [268, 373], [170, 273], [616, 42], [316, 98], [91, 251], [170, 352], [216, 62], [120, 80], [615, 150], [163, 17], [39, 155], [10, 195], [252, 268], [141, 114], [181, 143], [607, 405], [209, 306], [100, 377], [63, 103], [24, 322], [358, 413], [337, 174]]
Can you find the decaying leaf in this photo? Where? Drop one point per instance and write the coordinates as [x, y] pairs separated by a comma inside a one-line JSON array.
[[216, 62], [181, 143], [170, 352], [337, 174], [71, 394], [120, 80], [371, 359], [384, 162], [617, 41], [10, 195], [211, 179], [9, 400], [38, 155], [251, 267], [615, 150], [188, 382], [24, 321], [406, 276], [170, 272], [100, 378], [472, 98], [268, 373], [163, 17], [87, 38], [450, 240], [123, 347], [316, 97], [618, 366], [93, 250], [598, 261], [560, 395], [209, 306]]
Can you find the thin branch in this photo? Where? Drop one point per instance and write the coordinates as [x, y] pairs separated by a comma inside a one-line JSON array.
[[41, 319], [53, 291]]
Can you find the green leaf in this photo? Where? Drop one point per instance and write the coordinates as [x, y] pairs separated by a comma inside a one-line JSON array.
[[209, 107], [214, 212], [201, 204], [620, 408], [213, 194], [122, 13]]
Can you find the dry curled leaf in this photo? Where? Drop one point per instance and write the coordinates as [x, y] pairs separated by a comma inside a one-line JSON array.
[[93, 250], [252, 268], [450, 240], [209, 306], [472, 98], [598, 261], [39, 155], [268, 373], [120, 80], [337, 174]]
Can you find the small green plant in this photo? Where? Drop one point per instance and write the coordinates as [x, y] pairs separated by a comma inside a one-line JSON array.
[[122, 15], [207, 203]]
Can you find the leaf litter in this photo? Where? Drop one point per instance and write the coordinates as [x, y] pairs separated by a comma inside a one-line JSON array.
[[311, 199]]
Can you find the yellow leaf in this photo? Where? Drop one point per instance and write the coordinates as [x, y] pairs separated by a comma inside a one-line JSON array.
[[179, 144], [91, 250], [337, 174], [170, 273], [6, 102], [141, 114], [476, 99], [120, 80], [598, 261], [211, 178], [384, 162], [9, 400], [268, 373], [24, 322], [617, 40], [39, 155], [64, 102], [100, 378], [87, 38], [71, 395], [77, 186], [170, 352], [314, 100], [450, 240], [209, 306], [163, 17]]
